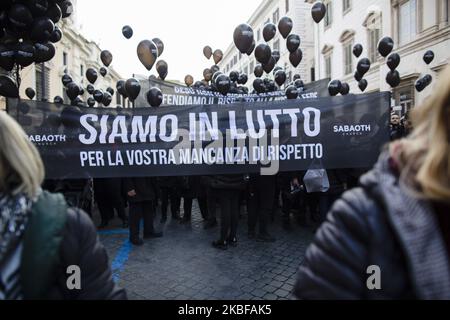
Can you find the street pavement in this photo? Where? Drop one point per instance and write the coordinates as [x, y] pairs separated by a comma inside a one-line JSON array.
[[184, 266]]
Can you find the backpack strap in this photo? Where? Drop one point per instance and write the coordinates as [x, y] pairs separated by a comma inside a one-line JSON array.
[[42, 241]]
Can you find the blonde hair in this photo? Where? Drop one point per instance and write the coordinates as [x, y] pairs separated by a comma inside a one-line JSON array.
[[424, 157], [21, 167]]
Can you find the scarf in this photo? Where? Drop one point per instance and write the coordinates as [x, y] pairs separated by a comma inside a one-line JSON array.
[[14, 215]]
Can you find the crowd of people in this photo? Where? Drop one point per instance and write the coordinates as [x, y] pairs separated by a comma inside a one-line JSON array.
[[396, 219]]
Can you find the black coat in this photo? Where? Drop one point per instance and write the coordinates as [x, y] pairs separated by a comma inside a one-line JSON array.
[[110, 189], [81, 247], [145, 188], [382, 224]]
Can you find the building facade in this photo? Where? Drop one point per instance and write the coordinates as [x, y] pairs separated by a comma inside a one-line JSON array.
[[74, 55], [271, 11], [415, 26]]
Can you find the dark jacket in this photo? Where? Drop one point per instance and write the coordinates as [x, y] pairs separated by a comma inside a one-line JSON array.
[[383, 224], [56, 238], [145, 188], [227, 182], [110, 189]]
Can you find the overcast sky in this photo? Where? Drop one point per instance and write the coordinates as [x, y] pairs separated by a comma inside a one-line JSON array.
[[185, 27]]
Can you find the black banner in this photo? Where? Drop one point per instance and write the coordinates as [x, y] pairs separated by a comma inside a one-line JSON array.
[[291, 135], [179, 95]]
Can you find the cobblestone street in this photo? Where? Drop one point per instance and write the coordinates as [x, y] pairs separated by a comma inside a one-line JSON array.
[[184, 265]]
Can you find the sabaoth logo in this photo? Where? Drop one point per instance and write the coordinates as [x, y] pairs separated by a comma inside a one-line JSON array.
[[352, 130], [47, 140]]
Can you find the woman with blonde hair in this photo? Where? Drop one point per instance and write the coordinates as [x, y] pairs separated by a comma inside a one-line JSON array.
[[47, 250], [390, 238]]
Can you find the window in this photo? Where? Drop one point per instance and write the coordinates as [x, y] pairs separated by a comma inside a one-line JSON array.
[[447, 10], [313, 74], [346, 6], [287, 6], [404, 95], [246, 70], [258, 35], [65, 59], [329, 14], [407, 25], [235, 60], [348, 57], [373, 39], [118, 100], [328, 66], [276, 45], [240, 56], [82, 70], [276, 16], [252, 66], [42, 82]]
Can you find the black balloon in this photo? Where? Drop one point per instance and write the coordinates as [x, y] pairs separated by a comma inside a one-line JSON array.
[[292, 92], [159, 45], [428, 57], [223, 84], [242, 79], [20, 16], [234, 76], [58, 100], [263, 53], [44, 52], [268, 67], [90, 89], [207, 52], [107, 99], [7, 55], [147, 52], [154, 97], [252, 48], [259, 71], [420, 85], [42, 29], [91, 75], [162, 68], [66, 79], [276, 55], [280, 77], [428, 79], [299, 84], [293, 43], [297, 77], [217, 56], [385, 46], [357, 50], [285, 26], [98, 96], [207, 74], [358, 76], [334, 87], [8, 88], [106, 57], [393, 78], [215, 75], [393, 61], [133, 88], [363, 66], [56, 36], [214, 69], [243, 37], [269, 32], [127, 32], [318, 11], [258, 85], [38, 7], [25, 54], [296, 57], [345, 89], [103, 71], [91, 102], [54, 12], [73, 90], [30, 93], [110, 91], [362, 85], [66, 8], [120, 86]]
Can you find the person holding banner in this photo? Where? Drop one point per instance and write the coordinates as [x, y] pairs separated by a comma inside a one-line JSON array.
[[390, 238], [43, 241]]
